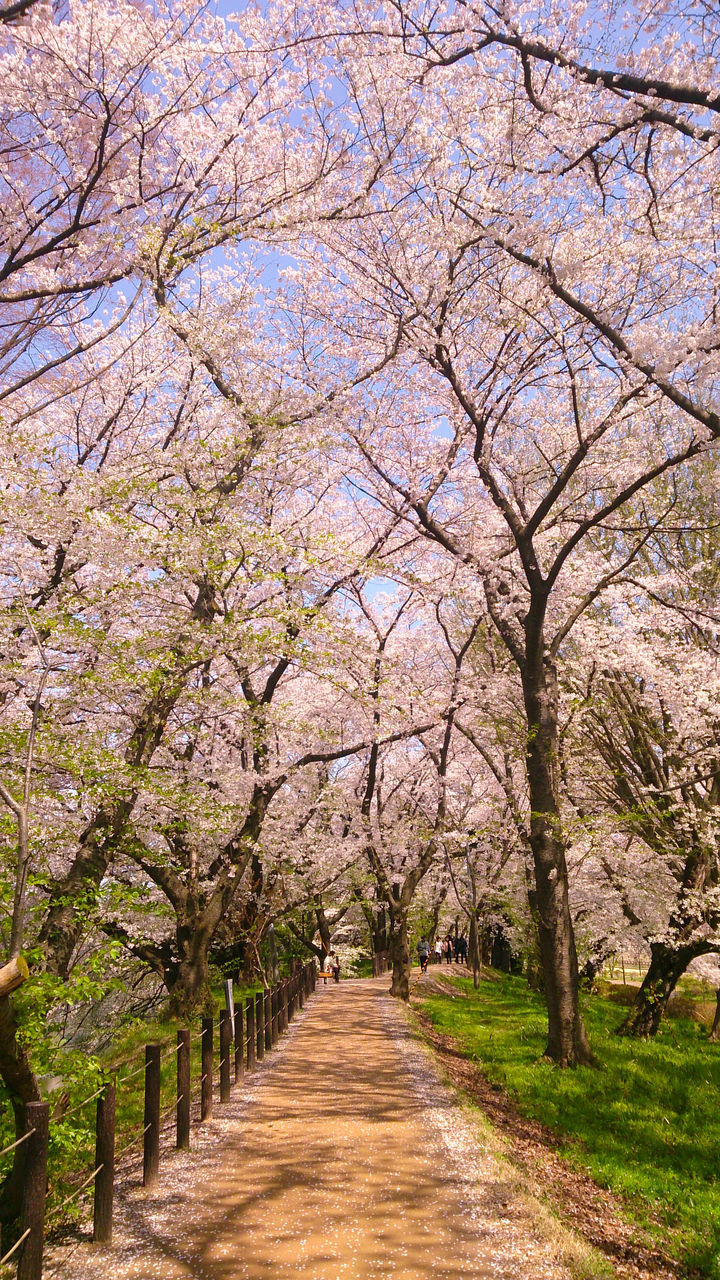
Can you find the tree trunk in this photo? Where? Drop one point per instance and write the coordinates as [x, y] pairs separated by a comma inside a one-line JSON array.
[[380, 932], [376, 921], [187, 980], [188, 985], [600, 952], [650, 1005], [322, 926], [715, 1030], [400, 955], [567, 1039], [474, 950], [72, 898], [533, 960], [432, 935], [273, 966], [18, 1078]]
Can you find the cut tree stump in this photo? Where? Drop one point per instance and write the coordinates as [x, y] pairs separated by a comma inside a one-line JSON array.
[[12, 975]]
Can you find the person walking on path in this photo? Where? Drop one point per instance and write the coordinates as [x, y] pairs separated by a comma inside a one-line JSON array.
[[438, 951], [334, 965], [448, 949], [423, 950]]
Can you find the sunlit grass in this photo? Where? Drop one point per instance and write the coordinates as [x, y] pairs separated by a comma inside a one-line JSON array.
[[645, 1123]]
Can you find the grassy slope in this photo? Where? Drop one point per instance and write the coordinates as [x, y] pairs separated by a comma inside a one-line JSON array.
[[645, 1124]]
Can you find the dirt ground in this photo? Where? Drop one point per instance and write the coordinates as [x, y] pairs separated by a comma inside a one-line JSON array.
[[343, 1156]]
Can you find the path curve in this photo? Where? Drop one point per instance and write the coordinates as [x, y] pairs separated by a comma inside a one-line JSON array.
[[343, 1157]]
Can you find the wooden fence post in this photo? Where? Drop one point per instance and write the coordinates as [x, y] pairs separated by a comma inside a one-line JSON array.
[[32, 1212], [206, 1069], [239, 1046], [260, 1026], [276, 1013], [300, 990], [250, 1027], [151, 1120], [182, 1115], [267, 1003], [225, 1039], [105, 1162]]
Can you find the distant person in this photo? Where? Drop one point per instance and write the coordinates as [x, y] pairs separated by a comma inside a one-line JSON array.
[[423, 950], [448, 949], [438, 951], [334, 965], [462, 950]]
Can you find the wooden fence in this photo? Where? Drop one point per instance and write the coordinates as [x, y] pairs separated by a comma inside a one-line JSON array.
[[243, 1040]]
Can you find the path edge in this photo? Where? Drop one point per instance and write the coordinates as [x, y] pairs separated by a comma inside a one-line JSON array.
[[571, 1250]]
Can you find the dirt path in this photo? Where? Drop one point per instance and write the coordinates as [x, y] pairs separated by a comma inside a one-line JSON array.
[[342, 1158]]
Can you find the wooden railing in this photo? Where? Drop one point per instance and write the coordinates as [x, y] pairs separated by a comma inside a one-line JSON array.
[[244, 1038]]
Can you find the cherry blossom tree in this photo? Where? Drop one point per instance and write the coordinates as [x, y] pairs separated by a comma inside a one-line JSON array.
[[535, 463], [139, 141], [343, 417], [537, 409], [649, 711]]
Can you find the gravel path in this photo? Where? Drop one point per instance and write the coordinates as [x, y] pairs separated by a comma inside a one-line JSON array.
[[343, 1157]]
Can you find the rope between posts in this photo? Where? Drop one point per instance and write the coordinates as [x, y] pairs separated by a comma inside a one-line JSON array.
[[244, 1041], [19, 1143], [16, 1245], [168, 1110], [84, 1103], [132, 1142], [80, 1189], [124, 1061], [131, 1074]]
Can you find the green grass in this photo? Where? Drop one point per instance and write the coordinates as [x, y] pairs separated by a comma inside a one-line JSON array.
[[645, 1124]]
